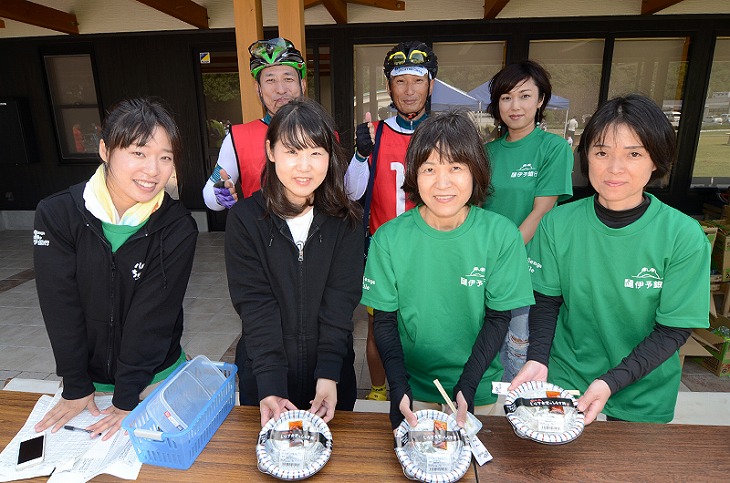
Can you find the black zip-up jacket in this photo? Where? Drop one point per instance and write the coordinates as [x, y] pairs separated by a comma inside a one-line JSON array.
[[112, 318], [295, 305]]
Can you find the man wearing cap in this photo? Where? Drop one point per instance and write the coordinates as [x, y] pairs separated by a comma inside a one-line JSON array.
[[280, 73], [410, 68]]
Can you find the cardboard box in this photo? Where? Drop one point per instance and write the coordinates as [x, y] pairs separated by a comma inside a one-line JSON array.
[[692, 348], [712, 212], [716, 367], [719, 297], [717, 346], [721, 254], [721, 251], [710, 231]]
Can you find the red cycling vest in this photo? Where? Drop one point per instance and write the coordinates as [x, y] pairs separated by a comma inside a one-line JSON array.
[[389, 199], [248, 142]]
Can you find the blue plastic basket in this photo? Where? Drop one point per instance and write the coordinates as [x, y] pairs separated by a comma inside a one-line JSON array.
[[179, 449]]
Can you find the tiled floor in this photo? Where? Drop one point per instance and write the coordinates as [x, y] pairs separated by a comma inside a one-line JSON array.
[[212, 327]]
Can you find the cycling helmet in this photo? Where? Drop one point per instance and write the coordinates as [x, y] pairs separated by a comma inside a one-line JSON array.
[[278, 51], [411, 54]]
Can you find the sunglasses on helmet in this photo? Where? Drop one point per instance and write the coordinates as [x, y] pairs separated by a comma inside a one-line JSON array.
[[269, 49], [414, 57]]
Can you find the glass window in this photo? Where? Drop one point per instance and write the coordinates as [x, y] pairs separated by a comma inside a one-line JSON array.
[[575, 75], [76, 111], [371, 94], [654, 67], [222, 93], [711, 168], [467, 65], [465, 69], [319, 75], [463, 66]]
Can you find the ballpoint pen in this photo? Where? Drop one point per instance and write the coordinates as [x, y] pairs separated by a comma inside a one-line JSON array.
[[81, 430]]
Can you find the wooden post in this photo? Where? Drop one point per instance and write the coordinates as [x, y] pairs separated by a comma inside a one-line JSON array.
[[291, 23], [249, 24]]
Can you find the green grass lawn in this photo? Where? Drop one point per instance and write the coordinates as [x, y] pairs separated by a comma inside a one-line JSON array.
[[713, 154]]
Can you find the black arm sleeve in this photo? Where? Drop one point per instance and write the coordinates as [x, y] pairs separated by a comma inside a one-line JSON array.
[[651, 352], [387, 338], [543, 319], [486, 347]]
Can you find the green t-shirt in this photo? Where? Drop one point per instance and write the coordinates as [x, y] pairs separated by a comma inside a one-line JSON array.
[[539, 164], [439, 283], [116, 235], [616, 283]]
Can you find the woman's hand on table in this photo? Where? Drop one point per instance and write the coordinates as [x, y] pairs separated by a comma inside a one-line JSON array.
[[405, 409], [111, 423], [65, 410], [325, 399], [531, 371], [272, 407], [461, 409], [594, 399]]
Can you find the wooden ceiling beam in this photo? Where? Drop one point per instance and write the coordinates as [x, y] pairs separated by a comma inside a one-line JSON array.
[[185, 10], [384, 4], [338, 10], [493, 7], [39, 15], [649, 7], [397, 5]]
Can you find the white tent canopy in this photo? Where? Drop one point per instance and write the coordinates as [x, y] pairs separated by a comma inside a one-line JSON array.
[[445, 96]]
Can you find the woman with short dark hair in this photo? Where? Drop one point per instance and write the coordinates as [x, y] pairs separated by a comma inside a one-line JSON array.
[[113, 257], [443, 277], [531, 172], [620, 278]]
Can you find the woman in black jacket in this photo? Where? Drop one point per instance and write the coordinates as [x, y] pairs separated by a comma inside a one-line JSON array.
[[294, 264], [112, 259]]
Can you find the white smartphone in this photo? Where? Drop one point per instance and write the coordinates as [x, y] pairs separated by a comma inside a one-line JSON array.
[[31, 452]]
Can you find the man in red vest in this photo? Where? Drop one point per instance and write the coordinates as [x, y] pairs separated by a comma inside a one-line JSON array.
[[280, 73], [410, 68]]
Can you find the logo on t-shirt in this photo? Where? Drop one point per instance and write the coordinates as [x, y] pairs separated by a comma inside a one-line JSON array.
[[646, 278], [533, 265], [525, 171], [367, 282], [475, 277], [137, 270]]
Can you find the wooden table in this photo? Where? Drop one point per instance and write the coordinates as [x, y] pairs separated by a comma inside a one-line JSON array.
[[362, 448], [610, 452], [363, 451]]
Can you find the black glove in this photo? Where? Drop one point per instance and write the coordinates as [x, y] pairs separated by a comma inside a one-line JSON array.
[[363, 141]]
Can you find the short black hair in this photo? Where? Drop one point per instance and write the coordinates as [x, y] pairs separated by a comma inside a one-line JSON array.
[[455, 137], [509, 77], [645, 118], [133, 121]]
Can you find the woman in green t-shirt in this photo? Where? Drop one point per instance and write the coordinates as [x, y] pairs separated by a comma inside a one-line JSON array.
[[531, 171], [620, 278], [443, 277]]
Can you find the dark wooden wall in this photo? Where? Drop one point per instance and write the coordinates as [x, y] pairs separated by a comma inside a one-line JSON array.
[[158, 64]]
